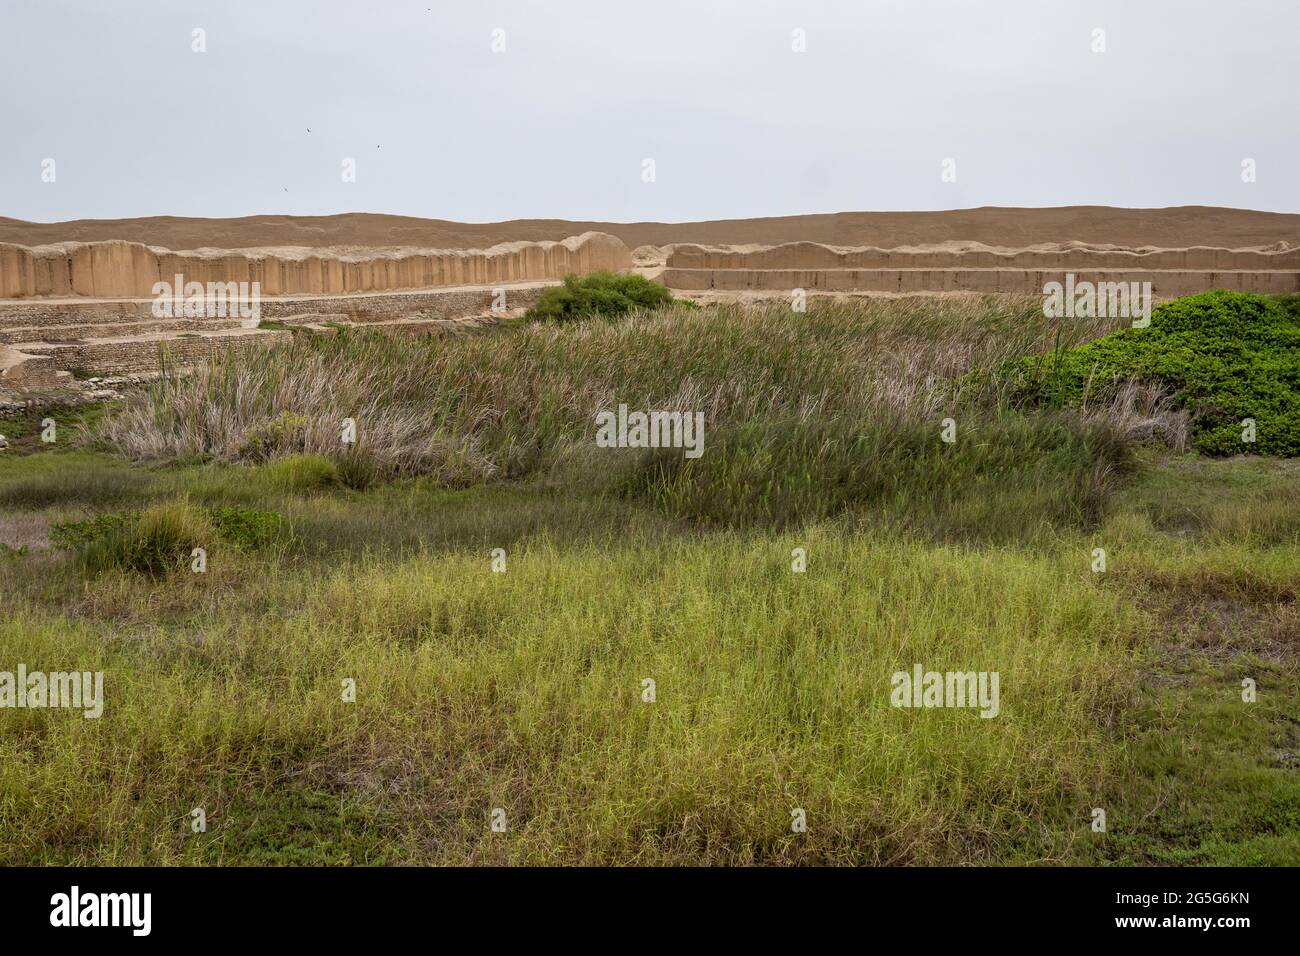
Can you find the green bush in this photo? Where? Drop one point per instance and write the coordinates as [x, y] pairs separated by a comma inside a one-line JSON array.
[[1291, 303], [75, 535], [1225, 356], [601, 293], [246, 528]]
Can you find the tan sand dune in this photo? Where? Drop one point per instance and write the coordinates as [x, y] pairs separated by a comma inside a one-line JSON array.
[[1174, 227]]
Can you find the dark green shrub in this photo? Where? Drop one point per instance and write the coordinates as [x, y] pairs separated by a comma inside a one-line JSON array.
[[1225, 356], [1291, 303], [601, 293]]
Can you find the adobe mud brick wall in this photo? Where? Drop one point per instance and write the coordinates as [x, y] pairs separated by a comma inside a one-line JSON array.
[[812, 266], [127, 269], [1022, 281], [813, 256]]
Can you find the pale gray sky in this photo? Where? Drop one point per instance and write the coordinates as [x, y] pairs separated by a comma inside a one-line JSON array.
[[558, 124]]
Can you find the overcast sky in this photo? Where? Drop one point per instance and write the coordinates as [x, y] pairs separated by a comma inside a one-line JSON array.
[[559, 124]]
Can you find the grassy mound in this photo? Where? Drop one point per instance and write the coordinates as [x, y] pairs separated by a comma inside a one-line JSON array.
[[1225, 356], [808, 417], [601, 293]]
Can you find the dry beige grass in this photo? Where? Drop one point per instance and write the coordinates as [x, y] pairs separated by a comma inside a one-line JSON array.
[[30, 531]]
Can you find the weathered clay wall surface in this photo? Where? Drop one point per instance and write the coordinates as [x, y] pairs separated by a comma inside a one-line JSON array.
[[108, 269], [1026, 281], [974, 268], [809, 255]]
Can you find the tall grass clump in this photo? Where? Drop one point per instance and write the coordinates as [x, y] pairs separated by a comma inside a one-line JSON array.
[[303, 473], [162, 538], [1014, 476], [159, 540]]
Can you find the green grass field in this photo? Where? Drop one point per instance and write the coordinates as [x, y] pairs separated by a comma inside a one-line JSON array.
[[523, 689]]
